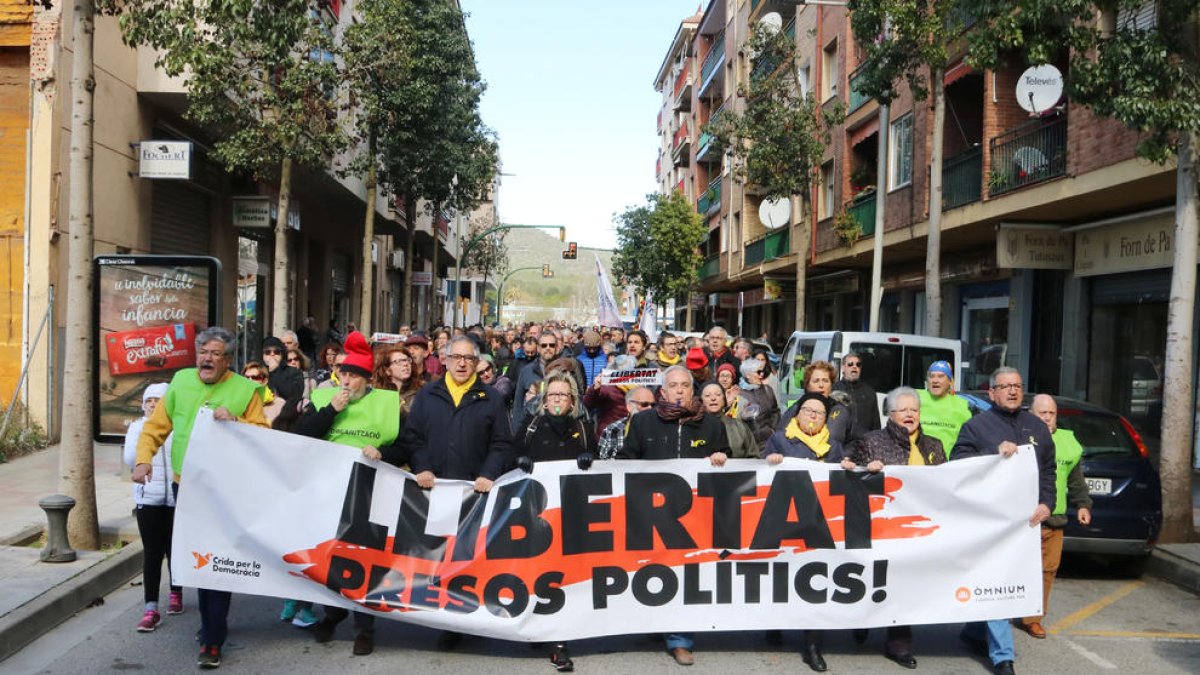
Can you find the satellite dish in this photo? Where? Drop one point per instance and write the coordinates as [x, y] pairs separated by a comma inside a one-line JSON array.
[[1039, 88], [775, 213], [772, 21]]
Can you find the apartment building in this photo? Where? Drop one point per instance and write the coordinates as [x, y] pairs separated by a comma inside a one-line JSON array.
[[196, 215], [1055, 236]]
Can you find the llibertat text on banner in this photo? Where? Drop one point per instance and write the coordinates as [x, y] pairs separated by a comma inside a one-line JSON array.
[[626, 547]]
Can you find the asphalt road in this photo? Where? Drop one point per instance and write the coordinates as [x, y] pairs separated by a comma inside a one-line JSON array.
[[1098, 622]]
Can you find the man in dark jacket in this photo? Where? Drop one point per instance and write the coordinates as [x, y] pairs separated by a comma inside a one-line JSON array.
[[717, 350], [677, 428], [864, 403], [1002, 430], [548, 347]]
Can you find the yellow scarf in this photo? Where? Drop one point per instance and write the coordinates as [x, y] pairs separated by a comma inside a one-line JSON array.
[[662, 358], [818, 442], [457, 391], [914, 453]]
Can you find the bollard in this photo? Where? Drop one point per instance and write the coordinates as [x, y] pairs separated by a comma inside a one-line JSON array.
[[58, 548]]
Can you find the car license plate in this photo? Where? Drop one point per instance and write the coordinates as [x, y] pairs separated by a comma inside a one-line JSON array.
[[1099, 486]]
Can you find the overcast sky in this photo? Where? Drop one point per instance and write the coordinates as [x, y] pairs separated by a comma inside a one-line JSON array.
[[571, 95]]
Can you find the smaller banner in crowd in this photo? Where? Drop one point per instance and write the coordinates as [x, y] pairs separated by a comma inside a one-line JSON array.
[[387, 338], [626, 547], [648, 377]]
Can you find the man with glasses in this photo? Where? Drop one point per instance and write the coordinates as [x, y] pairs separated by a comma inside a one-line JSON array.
[[1005, 429], [231, 397], [717, 351], [863, 402], [943, 411], [532, 375], [668, 351], [612, 439], [458, 429]]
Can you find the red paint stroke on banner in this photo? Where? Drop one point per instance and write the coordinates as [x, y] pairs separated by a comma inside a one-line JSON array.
[[577, 568]]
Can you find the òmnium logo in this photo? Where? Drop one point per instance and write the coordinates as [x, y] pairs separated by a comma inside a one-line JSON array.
[[990, 593], [223, 565]]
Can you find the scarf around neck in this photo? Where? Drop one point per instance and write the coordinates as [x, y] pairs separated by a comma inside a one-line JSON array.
[[673, 412], [818, 442]]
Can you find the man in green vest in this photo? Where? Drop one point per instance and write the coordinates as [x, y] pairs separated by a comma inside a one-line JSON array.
[[360, 416], [1069, 486], [232, 397], [942, 411]]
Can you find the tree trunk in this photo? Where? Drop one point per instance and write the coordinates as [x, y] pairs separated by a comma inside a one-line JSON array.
[[368, 266], [433, 315], [1178, 418], [800, 245], [933, 248], [281, 299], [77, 477], [406, 307]]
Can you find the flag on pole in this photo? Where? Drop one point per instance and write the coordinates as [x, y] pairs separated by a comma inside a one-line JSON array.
[[606, 311], [649, 323]]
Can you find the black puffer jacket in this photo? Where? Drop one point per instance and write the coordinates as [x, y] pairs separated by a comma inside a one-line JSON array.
[[864, 405], [545, 439], [891, 446], [651, 437], [464, 442]]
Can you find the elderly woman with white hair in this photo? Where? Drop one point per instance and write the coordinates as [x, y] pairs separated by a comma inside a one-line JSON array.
[[756, 404], [900, 443]]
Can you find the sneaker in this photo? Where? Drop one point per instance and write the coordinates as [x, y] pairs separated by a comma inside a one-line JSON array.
[[561, 659], [210, 657], [175, 603], [304, 618], [149, 622], [289, 610]]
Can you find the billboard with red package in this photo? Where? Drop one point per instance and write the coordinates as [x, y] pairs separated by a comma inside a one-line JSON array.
[[148, 310]]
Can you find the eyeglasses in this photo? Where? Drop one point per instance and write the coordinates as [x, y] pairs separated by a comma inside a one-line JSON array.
[[292, 359], [1015, 386], [468, 358], [550, 345], [556, 394], [213, 353], [815, 412], [271, 352], [399, 362], [643, 404], [853, 364], [257, 378]]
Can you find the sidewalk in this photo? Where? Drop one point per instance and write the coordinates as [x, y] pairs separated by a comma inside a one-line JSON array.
[[36, 596]]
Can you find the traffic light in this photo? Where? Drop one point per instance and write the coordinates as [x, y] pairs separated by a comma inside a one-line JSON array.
[[572, 252]]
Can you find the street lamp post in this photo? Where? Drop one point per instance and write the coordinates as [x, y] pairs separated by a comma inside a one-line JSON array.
[[500, 289], [562, 236]]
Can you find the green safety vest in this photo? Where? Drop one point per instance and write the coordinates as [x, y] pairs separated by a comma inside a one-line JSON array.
[[943, 417], [185, 396], [1067, 453], [372, 420]]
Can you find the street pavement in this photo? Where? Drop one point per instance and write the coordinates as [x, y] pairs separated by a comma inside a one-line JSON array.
[[1099, 623]]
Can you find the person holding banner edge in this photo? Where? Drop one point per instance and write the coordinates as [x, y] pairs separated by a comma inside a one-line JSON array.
[[677, 428], [233, 398], [364, 417], [1003, 429]]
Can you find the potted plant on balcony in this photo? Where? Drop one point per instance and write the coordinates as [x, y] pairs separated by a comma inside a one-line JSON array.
[[862, 181], [998, 181], [847, 227]]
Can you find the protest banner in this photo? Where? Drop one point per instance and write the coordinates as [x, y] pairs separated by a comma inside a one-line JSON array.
[[646, 377], [626, 547]]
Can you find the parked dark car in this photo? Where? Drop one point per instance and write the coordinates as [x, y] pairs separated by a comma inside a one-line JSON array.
[[1126, 494]]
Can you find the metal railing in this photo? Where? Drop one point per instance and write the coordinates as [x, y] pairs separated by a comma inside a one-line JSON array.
[[716, 54], [1031, 153], [962, 178], [680, 136], [754, 252], [711, 199], [711, 267], [862, 209], [777, 243]]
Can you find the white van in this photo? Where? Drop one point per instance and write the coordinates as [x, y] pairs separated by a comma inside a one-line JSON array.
[[889, 359]]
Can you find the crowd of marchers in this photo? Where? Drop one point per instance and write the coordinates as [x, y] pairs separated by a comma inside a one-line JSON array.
[[473, 404]]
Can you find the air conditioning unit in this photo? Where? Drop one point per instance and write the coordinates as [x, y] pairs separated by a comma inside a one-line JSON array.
[[396, 259]]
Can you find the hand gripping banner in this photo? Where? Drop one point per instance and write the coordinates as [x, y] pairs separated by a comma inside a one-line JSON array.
[[626, 547]]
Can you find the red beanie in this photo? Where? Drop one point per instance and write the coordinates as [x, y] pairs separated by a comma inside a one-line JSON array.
[[358, 355]]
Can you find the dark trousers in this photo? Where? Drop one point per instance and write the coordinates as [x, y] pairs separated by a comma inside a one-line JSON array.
[[214, 615], [154, 525], [899, 640], [364, 622]]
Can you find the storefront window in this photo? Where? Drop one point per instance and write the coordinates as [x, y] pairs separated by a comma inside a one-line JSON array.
[[985, 339], [1128, 342]]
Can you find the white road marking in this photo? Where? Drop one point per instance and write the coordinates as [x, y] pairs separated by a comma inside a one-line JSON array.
[[1095, 658]]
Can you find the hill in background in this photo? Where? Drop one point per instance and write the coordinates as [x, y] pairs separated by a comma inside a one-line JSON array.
[[569, 295]]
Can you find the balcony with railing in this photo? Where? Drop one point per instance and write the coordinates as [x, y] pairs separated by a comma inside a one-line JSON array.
[[862, 209], [705, 144], [681, 145], [711, 70], [857, 98], [679, 187], [962, 178], [683, 89], [766, 64], [711, 199], [711, 267], [765, 249], [1031, 153]]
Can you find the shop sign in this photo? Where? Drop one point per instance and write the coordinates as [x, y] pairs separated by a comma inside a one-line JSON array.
[[422, 278], [1126, 247], [698, 300], [165, 159], [727, 300], [252, 212], [842, 283], [1033, 247], [772, 290], [148, 311]]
